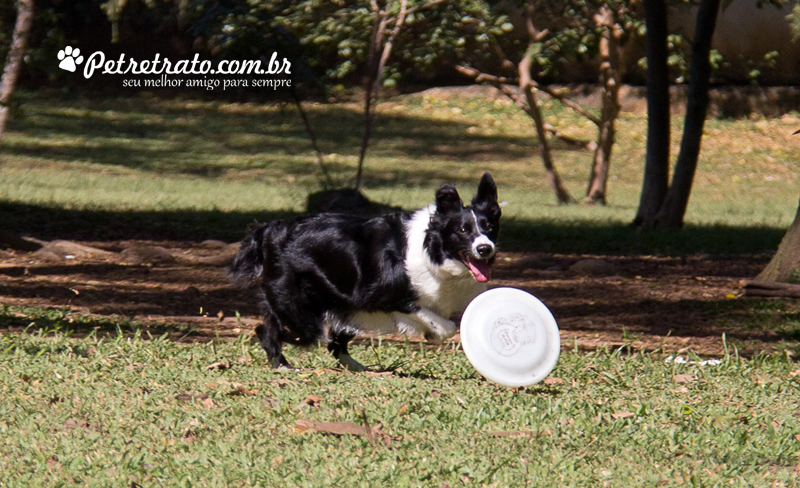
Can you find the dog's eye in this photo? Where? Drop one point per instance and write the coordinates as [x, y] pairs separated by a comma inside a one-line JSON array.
[[489, 227], [463, 229]]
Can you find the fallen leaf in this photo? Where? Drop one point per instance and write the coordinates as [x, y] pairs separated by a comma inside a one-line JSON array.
[[208, 403], [271, 402], [519, 433], [242, 360], [370, 435], [220, 315], [553, 381], [281, 382], [343, 428], [312, 400], [403, 410], [70, 424], [379, 373], [241, 390], [184, 397], [336, 428], [324, 370], [189, 436], [683, 378], [220, 365], [794, 373], [621, 415]]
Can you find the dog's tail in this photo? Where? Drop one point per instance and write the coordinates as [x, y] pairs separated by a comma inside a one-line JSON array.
[[255, 253]]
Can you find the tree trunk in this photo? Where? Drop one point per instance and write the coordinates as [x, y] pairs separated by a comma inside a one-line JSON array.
[[313, 138], [19, 40], [609, 79], [371, 83], [526, 85], [656, 168], [674, 207], [374, 83], [786, 262]]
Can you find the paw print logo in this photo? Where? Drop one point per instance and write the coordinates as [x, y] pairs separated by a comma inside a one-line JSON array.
[[69, 58]]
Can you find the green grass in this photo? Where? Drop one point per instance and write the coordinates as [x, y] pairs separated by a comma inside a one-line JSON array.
[[117, 410], [183, 161], [113, 408]]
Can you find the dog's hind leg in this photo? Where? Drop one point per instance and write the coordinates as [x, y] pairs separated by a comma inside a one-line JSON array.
[[267, 334], [338, 347]]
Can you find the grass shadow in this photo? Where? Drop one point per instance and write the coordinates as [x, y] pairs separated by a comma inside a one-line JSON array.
[[519, 235], [63, 320], [211, 139]]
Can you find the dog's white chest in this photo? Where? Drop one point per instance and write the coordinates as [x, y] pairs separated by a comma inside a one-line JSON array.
[[445, 289]]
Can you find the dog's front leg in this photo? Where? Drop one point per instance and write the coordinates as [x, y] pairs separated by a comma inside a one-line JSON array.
[[435, 327]]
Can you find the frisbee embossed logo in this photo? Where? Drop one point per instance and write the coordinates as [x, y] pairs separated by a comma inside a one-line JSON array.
[[511, 332]]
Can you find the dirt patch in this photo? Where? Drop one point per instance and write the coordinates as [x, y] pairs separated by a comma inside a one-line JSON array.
[[678, 304]]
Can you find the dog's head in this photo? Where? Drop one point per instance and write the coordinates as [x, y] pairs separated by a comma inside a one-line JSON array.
[[465, 235]]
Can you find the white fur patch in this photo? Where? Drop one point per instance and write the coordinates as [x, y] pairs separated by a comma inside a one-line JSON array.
[[445, 289], [424, 321], [480, 240]]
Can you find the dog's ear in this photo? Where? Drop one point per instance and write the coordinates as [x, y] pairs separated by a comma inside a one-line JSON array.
[[447, 199], [487, 190]]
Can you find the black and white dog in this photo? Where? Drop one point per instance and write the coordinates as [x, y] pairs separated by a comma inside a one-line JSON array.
[[329, 277]]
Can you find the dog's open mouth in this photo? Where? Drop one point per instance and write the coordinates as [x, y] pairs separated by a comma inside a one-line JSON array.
[[481, 269]]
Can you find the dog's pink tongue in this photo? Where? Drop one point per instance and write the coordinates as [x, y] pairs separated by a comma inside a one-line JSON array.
[[480, 269]]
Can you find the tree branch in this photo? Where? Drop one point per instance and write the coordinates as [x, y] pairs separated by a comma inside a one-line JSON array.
[[498, 81]]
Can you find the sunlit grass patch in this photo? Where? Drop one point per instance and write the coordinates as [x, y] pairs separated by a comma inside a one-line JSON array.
[[115, 409], [150, 154]]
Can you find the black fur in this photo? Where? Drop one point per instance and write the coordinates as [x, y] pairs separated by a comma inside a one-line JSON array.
[[330, 265]]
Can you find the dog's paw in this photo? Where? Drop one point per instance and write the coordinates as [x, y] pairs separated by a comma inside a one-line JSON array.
[[349, 363], [434, 338], [444, 330]]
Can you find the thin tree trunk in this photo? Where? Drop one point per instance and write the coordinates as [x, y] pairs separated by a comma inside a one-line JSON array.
[[375, 78], [313, 137], [378, 32], [19, 41], [526, 85], [787, 259], [674, 207], [609, 78], [656, 169]]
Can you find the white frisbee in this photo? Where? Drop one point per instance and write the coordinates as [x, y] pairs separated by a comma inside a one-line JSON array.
[[510, 337]]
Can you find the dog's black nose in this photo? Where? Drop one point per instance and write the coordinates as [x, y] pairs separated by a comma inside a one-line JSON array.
[[485, 250]]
